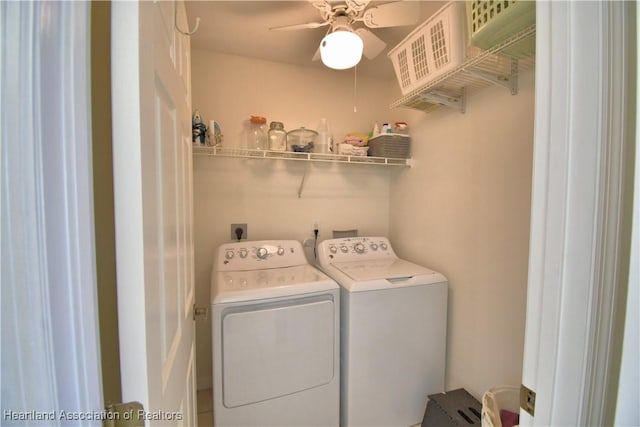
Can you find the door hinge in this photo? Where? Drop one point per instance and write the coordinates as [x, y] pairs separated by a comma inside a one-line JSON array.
[[130, 414], [200, 312], [527, 399]]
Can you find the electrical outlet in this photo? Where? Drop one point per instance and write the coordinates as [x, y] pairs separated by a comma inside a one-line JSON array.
[[238, 229], [315, 225]]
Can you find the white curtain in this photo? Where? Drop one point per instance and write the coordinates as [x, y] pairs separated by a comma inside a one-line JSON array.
[[50, 348]]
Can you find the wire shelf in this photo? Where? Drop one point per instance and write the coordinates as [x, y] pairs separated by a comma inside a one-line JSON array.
[[481, 69], [289, 155]]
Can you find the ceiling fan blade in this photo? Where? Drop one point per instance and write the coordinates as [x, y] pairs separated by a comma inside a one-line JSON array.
[[324, 7], [373, 45], [300, 26], [392, 14], [316, 56], [356, 6]]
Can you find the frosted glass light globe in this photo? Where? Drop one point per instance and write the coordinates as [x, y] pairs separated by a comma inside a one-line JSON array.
[[341, 50]]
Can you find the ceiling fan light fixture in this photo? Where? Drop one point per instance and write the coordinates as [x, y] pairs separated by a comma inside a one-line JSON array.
[[341, 50]]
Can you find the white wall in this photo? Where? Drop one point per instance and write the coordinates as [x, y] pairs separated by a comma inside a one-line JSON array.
[[463, 209], [264, 193], [229, 89]]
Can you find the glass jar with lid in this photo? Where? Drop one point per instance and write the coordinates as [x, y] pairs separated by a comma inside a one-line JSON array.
[[302, 140], [277, 137], [257, 134]]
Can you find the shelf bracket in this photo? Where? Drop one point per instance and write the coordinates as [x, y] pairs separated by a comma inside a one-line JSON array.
[[457, 102], [514, 76], [508, 81], [496, 79]]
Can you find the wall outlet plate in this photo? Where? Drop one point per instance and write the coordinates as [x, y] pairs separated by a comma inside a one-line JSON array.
[[234, 231]]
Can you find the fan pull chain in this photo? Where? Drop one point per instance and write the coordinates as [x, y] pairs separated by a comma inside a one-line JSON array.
[[355, 87]]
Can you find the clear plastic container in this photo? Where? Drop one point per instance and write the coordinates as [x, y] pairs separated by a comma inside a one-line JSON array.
[[277, 137], [257, 134]]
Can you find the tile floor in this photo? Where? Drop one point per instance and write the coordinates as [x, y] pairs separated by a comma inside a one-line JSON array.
[[205, 408]]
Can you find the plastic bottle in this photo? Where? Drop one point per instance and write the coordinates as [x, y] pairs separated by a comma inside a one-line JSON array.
[[257, 135], [325, 138], [376, 130]]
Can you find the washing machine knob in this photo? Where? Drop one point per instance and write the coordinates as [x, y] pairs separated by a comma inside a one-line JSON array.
[[333, 249], [229, 255], [280, 251], [243, 253], [359, 248], [383, 246], [344, 248], [262, 253], [374, 246]]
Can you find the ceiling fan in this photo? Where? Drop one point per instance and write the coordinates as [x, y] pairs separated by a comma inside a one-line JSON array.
[[343, 45]]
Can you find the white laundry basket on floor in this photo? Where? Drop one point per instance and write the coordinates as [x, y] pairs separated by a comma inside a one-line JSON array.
[[500, 397]]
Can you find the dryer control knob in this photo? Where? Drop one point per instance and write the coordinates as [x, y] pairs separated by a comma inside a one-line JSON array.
[[374, 246], [359, 248], [333, 249], [383, 246], [344, 249], [229, 255], [262, 253], [280, 251], [243, 253]]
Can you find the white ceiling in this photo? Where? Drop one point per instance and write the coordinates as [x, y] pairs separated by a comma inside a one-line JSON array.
[[242, 28]]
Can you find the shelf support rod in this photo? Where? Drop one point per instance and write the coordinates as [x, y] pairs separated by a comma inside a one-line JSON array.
[[304, 176]]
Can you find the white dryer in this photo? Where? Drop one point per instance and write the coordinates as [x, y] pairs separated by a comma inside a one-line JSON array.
[[276, 337], [394, 321]]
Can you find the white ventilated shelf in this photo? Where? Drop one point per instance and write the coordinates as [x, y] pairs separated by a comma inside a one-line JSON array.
[[499, 65], [305, 157]]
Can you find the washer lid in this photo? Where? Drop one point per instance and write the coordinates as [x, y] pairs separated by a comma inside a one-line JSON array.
[[237, 286], [388, 269]]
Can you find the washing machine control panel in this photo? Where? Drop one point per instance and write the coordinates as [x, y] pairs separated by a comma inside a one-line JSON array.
[[254, 255], [354, 248]]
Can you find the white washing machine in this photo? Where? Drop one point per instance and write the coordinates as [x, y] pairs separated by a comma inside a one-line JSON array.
[[394, 321], [276, 337]]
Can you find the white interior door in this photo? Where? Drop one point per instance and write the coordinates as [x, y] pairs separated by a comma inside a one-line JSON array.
[[153, 209]]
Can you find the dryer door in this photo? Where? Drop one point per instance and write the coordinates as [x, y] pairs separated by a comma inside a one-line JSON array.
[[275, 349]]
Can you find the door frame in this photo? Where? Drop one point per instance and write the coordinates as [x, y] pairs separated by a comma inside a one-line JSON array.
[[50, 348], [581, 210]]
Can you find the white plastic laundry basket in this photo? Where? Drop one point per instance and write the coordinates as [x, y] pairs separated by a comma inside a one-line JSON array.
[[433, 48], [497, 398]]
